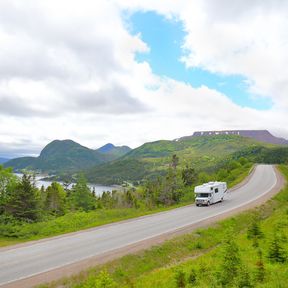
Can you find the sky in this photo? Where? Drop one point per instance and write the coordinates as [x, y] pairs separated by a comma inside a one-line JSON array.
[[130, 72]]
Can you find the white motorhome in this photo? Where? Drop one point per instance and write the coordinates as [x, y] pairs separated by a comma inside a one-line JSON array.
[[209, 193]]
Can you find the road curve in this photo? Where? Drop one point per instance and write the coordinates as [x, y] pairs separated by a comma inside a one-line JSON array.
[[28, 260]]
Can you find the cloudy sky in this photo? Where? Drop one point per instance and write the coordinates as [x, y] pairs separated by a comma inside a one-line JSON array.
[[130, 72]]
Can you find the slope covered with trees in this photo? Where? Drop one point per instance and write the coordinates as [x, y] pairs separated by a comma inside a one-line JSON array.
[[66, 156], [205, 153]]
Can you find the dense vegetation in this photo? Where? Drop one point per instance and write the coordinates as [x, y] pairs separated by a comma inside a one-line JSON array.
[[248, 250], [67, 156], [30, 213], [207, 153]]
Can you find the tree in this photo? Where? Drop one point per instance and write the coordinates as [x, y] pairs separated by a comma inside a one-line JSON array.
[[55, 199], [276, 252], [8, 182], [103, 280], [222, 174], [243, 161], [180, 278], [254, 232], [175, 161], [231, 262], [203, 177], [170, 192], [152, 190], [81, 196], [24, 201], [260, 272], [192, 278], [244, 279], [189, 176]]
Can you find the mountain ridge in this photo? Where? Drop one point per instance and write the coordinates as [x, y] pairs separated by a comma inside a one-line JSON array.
[[110, 164], [64, 156], [259, 135]]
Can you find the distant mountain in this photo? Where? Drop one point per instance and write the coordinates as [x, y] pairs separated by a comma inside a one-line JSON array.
[[106, 148], [259, 135], [3, 160], [114, 151], [112, 165], [63, 156]]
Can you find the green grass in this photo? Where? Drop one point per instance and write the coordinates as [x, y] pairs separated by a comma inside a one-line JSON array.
[[71, 222], [200, 250]]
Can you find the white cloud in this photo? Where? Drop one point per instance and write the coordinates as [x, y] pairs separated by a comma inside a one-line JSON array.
[[68, 70], [248, 38]]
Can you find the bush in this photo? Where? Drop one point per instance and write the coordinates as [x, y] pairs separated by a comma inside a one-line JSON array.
[[102, 280], [276, 252], [180, 278]]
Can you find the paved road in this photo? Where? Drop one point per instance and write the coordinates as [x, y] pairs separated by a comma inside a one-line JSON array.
[[32, 259]]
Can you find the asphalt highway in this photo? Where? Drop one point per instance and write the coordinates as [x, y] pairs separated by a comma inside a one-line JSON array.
[[35, 258]]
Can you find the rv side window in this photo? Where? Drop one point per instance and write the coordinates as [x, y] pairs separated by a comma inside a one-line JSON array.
[[216, 190], [211, 188]]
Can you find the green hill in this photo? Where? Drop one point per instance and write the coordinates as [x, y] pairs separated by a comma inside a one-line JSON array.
[[65, 156], [203, 153], [113, 165]]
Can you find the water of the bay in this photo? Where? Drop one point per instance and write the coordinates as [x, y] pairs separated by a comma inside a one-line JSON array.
[[99, 189]]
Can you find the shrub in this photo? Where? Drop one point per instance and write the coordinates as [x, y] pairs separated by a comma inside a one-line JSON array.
[[180, 278]]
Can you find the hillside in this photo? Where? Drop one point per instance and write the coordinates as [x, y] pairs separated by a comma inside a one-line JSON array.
[[110, 164], [64, 156], [152, 159]]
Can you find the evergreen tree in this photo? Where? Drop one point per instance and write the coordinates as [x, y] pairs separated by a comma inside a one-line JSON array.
[[189, 176], [170, 192], [231, 262], [8, 182], [24, 202], [180, 278], [260, 272], [81, 197], [244, 279], [254, 232], [152, 190], [175, 161], [103, 280], [276, 252], [55, 199], [192, 278]]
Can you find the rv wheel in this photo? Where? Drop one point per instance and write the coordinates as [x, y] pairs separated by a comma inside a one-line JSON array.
[[208, 203]]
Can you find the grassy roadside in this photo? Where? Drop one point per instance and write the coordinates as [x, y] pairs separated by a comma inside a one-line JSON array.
[[77, 221], [201, 252]]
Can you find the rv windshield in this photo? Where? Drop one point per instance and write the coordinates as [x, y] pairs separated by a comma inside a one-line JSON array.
[[203, 195]]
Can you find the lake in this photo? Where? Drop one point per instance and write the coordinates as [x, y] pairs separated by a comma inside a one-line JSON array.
[[99, 189]]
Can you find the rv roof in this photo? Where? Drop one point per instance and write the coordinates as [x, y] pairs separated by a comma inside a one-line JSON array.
[[212, 183]]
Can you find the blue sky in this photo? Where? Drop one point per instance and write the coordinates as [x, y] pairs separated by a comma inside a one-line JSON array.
[[164, 38]]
